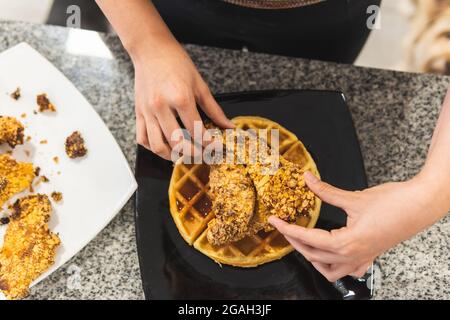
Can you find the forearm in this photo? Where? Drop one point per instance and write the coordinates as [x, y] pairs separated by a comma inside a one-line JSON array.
[[139, 25], [435, 175]]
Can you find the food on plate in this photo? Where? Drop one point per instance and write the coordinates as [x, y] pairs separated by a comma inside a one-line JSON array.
[[16, 94], [75, 147], [44, 103], [29, 246], [233, 205], [193, 203], [15, 177], [11, 131], [57, 196], [283, 194]]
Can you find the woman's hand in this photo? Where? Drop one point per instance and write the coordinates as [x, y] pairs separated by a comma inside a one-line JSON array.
[[168, 85], [377, 219]]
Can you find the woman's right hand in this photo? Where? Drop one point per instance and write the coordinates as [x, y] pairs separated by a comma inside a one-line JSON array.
[[167, 85]]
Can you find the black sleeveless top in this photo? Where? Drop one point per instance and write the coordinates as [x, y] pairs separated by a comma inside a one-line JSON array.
[[273, 4]]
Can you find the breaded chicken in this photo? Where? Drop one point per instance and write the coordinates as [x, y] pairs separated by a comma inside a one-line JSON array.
[[282, 193], [15, 177], [279, 185], [29, 246], [233, 203], [11, 131]]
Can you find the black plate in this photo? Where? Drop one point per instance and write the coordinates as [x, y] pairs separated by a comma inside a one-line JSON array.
[[171, 269]]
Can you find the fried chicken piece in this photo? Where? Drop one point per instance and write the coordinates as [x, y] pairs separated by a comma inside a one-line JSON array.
[[75, 147], [233, 204], [282, 193], [29, 246], [15, 177], [45, 104], [11, 131]]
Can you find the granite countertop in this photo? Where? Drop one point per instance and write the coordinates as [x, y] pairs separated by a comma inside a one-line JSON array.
[[394, 115]]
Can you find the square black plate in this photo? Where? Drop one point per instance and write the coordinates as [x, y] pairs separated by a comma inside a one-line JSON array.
[[171, 269]]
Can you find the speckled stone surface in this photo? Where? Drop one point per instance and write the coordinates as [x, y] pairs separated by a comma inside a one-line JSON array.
[[394, 115]]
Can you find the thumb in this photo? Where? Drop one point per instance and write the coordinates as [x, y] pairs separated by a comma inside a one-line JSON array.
[[212, 109], [326, 192]]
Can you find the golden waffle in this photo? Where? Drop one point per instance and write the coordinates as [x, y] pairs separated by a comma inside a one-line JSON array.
[[190, 205]]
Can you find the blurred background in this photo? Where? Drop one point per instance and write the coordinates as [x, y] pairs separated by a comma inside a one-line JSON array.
[[414, 34]]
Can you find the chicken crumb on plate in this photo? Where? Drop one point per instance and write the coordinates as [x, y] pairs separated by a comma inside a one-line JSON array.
[[44, 103], [75, 147], [11, 131]]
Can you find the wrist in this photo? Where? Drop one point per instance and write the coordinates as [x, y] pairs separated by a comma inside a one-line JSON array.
[[433, 191], [150, 46]]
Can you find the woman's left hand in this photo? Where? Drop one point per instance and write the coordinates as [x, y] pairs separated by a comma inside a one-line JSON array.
[[378, 218]]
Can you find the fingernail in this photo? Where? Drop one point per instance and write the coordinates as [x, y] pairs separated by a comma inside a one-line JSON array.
[[272, 219], [309, 177], [231, 124]]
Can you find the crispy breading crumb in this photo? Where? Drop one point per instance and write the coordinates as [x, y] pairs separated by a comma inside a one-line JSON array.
[[29, 246], [56, 159], [75, 147], [44, 141], [11, 131], [44, 103], [15, 177], [16, 94], [57, 196]]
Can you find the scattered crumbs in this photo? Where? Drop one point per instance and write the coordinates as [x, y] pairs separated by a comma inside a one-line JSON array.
[[43, 141], [75, 147], [16, 94], [31, 189], [57, 196], [58, 173], [28, 139], [56, 160], [23, 115], [4, 220], [27, 153], [44, 103], [35, 112], [44, 179], [9, 152], [37, 171]]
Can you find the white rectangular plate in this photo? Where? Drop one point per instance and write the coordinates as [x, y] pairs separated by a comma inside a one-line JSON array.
[[96, 187]]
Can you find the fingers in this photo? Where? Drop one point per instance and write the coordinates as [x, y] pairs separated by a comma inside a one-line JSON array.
[[332, 195], [315, 255], [193, 122], [156, 139], [362, 270], [333, 272], [141, 132], [169, 125], [316, 238], [212, 108]]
